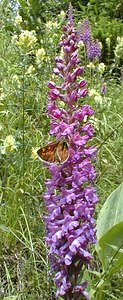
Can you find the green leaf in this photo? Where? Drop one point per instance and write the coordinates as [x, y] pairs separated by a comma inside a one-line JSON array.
[[23, 4], [81, 6], [111, 212], [116, 248], [110, 232], [112, 258]]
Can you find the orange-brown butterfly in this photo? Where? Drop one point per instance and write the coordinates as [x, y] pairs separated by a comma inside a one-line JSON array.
[[55, 152]]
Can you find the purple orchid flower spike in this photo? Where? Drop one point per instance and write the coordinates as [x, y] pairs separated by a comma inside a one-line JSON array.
[[70, 196]]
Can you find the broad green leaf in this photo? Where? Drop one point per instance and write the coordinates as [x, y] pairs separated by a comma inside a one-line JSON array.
[[116, 248], [112, 256], [110, 232], [111, 212]]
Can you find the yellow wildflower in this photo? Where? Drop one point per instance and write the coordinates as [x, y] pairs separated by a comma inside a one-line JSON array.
[[34, 152], [30, 70], [27, 40], [52, 25], [91, 66], [9, 144], [40, 54], [18, 20]]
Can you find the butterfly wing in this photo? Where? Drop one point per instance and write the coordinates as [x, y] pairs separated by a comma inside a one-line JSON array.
[[54, 152], [48, 152], [62, 151]]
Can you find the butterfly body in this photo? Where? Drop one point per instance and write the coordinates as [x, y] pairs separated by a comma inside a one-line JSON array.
[[55, 152]]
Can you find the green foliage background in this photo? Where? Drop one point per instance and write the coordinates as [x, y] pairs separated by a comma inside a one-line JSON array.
[[24, 73]]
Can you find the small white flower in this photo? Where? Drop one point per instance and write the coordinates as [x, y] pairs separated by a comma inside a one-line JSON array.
[[108, 42], [81, 45], [119, 49], [93, 93], [62, 14], [101, 68]]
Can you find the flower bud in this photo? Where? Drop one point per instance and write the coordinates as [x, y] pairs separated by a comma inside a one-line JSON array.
[[78, 71], [82, 83], [67, 49], [56, 71], [60, 66], [82, 93], [73, 96], [51, 85], [54, 94], [59, 59]]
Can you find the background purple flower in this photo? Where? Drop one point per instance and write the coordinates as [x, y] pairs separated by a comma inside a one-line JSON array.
[[84, 31], [93, 49], [92, 46]]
